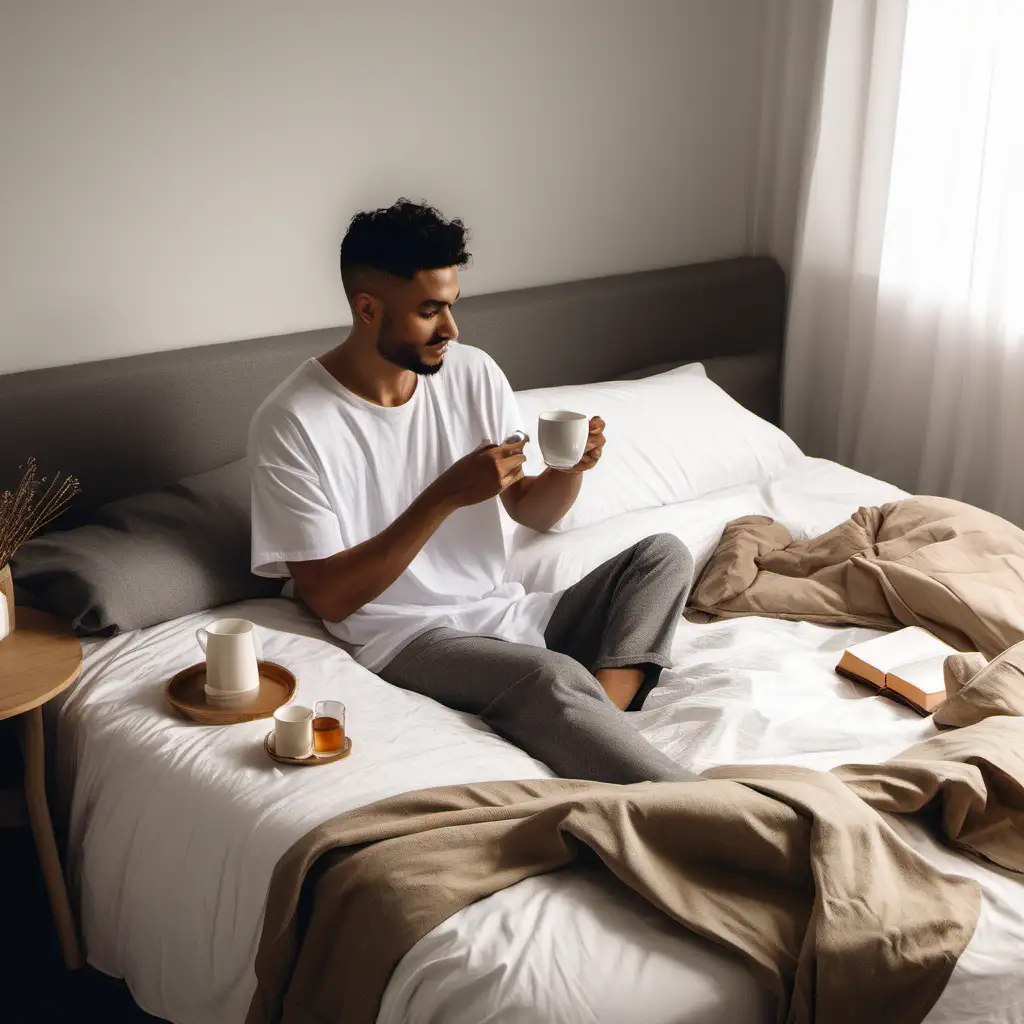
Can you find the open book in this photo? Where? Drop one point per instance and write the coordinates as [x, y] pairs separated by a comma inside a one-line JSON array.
[[905, 665]]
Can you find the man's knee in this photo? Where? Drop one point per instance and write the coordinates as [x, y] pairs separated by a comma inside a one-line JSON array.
[[665, 549]]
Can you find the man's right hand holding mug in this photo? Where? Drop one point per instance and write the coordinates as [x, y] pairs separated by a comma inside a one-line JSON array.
[[484, 473]]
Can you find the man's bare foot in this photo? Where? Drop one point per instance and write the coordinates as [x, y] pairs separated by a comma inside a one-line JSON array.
[[620, 684]]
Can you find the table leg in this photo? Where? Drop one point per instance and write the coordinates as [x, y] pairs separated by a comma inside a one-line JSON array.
[[31, 733]]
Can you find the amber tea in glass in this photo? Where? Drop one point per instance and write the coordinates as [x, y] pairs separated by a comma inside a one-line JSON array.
[[328, 727]]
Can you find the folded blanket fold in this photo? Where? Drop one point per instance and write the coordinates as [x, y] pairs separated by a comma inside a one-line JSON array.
[[977, 690]]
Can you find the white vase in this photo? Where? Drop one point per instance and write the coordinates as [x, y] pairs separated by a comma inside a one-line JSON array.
[[6, 601]]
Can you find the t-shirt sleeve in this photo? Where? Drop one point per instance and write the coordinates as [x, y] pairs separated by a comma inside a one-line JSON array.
[[503, 405], [292, 520]]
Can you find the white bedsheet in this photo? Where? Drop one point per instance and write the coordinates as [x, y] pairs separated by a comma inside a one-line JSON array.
[[175, 828]]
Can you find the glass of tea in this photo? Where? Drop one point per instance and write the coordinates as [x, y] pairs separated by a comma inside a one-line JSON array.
[[328, 727]]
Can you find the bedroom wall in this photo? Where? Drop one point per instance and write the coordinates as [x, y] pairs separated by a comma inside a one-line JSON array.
[[178, 172]]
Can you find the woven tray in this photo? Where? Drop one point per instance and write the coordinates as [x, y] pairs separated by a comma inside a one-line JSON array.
[[313, 759], [186, 694]]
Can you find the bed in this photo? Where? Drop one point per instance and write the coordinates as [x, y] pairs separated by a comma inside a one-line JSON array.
[[173, 829]]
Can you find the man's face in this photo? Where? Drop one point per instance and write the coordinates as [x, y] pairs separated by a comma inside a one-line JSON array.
[[417, 322]]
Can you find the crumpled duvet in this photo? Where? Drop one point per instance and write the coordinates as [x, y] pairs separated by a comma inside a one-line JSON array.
[[949, 567]]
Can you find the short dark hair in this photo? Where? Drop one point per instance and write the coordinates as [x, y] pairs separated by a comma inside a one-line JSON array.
[[402, 239]]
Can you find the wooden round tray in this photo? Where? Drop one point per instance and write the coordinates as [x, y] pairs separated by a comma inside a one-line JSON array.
[[185, 692], [313, 759]]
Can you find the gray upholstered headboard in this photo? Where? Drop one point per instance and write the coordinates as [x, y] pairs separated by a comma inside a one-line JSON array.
[[140, 422]]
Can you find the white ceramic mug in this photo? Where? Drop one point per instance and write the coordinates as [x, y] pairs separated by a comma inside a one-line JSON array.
[[232, 648], [293, 730], [563, 437]]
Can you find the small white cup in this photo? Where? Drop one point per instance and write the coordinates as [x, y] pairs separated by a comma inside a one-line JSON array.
[[563, 437], [293, 730], [233, 650]]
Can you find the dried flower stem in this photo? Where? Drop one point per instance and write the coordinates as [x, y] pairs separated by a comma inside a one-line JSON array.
[[25, 511]]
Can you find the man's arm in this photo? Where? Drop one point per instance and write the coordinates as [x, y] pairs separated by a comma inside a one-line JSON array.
[[541, 501], [335, 587]]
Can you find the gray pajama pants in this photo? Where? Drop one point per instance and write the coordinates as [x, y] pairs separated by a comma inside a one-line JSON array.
[[546, 699]]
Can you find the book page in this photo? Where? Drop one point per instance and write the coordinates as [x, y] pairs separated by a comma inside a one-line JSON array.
[[905, 647], [925, 674]]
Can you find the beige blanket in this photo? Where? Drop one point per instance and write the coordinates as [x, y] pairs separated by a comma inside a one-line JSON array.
[[791, 869], [954, 569]]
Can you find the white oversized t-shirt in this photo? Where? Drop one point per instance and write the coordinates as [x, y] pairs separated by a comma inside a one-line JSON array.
[[331, 470]]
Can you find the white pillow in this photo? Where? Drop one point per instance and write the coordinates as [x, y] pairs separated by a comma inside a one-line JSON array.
[[663, 370], [672, 437], [547, 562]]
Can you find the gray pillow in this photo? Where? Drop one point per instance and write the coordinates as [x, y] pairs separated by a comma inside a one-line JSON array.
[[148, 558]]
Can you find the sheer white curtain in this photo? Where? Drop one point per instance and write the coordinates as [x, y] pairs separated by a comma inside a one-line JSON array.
[[905, 354]]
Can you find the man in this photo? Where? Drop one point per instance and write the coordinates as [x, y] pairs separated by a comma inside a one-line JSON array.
[[374, 472]]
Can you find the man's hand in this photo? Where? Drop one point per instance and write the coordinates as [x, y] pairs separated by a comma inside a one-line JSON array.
[[595, 445], [482, 474]]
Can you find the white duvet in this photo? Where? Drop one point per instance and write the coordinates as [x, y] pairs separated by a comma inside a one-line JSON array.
[[175, 828]]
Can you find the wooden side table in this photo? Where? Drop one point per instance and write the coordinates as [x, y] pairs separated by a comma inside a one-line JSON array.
[[38, 659]]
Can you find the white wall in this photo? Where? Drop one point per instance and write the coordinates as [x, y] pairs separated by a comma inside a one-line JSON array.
[[793, 47], [181, 172]]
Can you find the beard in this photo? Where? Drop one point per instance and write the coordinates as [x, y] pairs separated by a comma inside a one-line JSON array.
[[405, 353]]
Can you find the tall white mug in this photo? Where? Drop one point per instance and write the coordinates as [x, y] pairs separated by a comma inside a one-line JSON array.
[[563, 437], [293, 730], [232, 648]]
